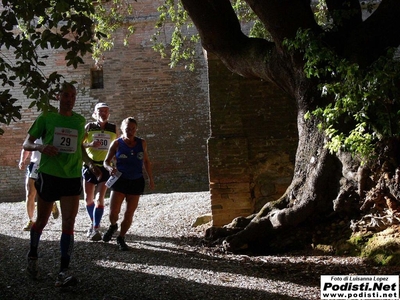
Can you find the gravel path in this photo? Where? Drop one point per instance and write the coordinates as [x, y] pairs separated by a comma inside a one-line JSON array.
[[166, 261]]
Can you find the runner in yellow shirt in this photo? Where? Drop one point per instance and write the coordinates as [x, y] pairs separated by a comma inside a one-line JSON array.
[[98, 137]]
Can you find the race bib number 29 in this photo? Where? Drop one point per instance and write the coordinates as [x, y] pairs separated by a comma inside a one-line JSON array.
[[65, 139]]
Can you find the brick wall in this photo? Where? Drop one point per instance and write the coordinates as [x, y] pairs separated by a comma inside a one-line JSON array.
[[170, 105], [244, 155], [252, 144]]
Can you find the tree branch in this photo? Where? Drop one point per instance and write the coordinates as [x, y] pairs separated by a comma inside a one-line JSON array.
[[216, 22], [283, 18], [221, 34], [376, 34], [345, 13]]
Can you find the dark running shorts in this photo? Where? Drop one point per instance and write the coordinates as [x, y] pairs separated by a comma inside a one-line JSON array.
[[51, 188], [90, 177], [128, 186]]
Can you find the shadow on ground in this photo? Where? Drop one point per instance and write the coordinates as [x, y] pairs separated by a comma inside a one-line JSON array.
[[156, 269]]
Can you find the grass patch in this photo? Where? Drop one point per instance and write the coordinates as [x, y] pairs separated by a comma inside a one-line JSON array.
[[382, 248]]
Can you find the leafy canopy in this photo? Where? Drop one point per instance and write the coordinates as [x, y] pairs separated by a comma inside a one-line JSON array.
[[363, 106], [359, 106], [181, 46], [363, 103], [29, 28]]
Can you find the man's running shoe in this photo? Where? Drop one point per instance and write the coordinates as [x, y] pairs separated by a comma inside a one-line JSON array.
[[89, 232], [65, 279], [121, 244], [28, 225], [95, 236], [55, 212], [111, 230], [32, 267]]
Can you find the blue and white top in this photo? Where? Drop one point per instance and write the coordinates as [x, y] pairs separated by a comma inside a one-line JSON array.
[[130, 159]]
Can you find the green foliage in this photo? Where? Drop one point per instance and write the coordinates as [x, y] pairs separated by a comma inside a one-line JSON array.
[[321, 14], [363, 104], [27, 29], [247, 16], [181, 47], [78, 27], [108, 17]]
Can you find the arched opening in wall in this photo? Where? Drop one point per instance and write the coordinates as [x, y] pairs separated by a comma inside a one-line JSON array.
[[96, 78]]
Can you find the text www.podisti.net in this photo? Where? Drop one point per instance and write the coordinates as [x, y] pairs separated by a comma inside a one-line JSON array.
[[338, 287]]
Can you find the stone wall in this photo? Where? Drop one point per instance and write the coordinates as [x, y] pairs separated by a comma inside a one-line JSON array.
[[252, 144], [170, 105]]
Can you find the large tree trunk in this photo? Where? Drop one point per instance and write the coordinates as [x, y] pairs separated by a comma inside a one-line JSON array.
[[324, 184], [320, 179]]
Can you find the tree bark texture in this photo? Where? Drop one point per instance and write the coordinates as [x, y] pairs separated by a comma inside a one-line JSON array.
[[323, 183]]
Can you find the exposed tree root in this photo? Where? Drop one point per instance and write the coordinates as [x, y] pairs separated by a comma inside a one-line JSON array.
[[368, 198]]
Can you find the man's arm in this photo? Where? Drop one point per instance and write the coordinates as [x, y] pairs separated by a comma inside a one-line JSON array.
[[92, 167], [22, 159]]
